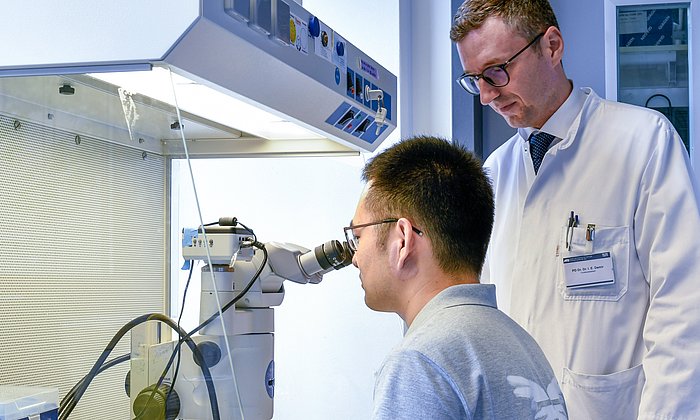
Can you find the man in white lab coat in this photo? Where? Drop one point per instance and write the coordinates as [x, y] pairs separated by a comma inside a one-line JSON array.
[[595, 247]]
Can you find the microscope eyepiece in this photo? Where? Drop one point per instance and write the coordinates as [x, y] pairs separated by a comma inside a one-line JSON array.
[[333, 254], [330, 255]]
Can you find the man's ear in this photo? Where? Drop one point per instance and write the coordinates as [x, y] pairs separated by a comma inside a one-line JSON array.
[[554, 45], [406, 244]]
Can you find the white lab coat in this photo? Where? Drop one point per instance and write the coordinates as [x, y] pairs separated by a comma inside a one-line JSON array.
[[633, 345]]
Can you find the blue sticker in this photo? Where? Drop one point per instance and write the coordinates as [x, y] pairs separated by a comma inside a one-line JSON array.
[[339, 112], [337, 76]]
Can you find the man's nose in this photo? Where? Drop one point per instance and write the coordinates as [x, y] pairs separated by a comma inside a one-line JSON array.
[[487, 92]]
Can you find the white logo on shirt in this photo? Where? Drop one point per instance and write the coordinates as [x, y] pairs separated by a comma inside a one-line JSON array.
[[548, 405]]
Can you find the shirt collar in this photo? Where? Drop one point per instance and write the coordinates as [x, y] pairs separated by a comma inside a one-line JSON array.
[[458, 295], [561, 121]]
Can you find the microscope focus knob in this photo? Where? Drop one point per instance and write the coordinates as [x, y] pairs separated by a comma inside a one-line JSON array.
[[158, 408], [210, 352]]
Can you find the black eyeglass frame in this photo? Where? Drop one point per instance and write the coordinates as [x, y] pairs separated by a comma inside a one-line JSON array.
[[473, 79], [352, 239]]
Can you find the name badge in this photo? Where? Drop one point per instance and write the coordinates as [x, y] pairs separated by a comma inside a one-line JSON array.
[[589, 270]]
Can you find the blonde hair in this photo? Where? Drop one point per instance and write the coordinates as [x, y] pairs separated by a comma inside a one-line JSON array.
[[527, 17]]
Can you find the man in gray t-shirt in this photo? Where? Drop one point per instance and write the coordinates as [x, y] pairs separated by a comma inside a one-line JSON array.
[[425, 219], [462, 358]]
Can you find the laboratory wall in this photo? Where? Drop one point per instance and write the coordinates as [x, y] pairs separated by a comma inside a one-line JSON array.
[[425, 52], [583, 26], [82, 245], [432, 103]]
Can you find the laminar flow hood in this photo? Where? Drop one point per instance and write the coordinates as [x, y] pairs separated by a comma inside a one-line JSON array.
[[322, 93]]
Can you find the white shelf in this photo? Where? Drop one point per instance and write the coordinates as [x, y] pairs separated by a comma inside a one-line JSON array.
[[653, 48]]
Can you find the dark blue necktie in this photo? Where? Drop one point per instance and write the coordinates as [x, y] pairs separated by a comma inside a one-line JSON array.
[[539, 144]]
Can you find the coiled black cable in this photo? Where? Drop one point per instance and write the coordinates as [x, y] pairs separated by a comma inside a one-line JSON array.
[[68, 405]]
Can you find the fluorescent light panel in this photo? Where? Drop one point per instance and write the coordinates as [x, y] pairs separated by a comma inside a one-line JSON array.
[[208, 103]]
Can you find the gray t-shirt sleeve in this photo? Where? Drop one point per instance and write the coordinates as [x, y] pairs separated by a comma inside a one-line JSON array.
[[411, 386]]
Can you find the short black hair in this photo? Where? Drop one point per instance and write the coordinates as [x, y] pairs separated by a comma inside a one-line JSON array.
[[442, 188]]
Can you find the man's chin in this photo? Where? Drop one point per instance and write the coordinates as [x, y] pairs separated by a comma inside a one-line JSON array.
[[514, 121], [371, 305], [376, 306]]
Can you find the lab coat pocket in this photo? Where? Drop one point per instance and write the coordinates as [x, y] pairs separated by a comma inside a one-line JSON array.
[[613, 396], [614, 240]]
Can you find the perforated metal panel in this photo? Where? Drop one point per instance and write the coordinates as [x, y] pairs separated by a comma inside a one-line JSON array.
[[82, 252]]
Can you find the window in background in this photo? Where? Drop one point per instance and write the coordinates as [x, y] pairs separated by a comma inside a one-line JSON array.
[[652, 48]]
